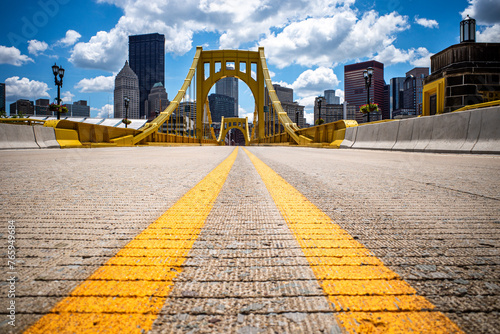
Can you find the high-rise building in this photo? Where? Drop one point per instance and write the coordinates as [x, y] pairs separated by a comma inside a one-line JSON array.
[[78, 109], [126, 85], [157, 101], [147, 60], [412, 91], [396, 96], [220, 105], [42, 107], [386, 109], [22, 107], [330, 97], [228, 86], [355, 91], [332, 112], [2, 97], [294, 110]]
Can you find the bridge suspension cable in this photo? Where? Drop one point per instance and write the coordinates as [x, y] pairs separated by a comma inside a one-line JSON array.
[[289, 126], [152, 127]]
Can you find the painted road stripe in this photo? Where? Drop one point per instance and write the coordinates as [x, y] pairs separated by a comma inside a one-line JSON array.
[[126, 294], [367, 297]]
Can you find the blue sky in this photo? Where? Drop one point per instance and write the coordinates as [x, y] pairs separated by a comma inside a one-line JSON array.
[[307, 42]]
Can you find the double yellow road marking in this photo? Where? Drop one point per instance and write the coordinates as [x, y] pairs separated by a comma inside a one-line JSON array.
[[127, 293], [367, 296]]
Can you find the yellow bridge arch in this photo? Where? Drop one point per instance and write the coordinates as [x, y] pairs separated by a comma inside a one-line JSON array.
[[233, 123], [210, 66]]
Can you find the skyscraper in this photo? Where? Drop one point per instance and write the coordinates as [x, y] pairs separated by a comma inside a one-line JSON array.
[[2, 97], [147, 60], [330, 97], [354, 86], [413, 85], [126, 85], [220, 105], [396, 96], [229, 87], [157, 101]]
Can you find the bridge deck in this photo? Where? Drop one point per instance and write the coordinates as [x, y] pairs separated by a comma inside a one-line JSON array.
[[427, 224]]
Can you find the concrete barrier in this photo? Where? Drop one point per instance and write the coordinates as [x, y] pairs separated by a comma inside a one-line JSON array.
[[13, 136], [404, 141], [46, 137], [367, 136], [488, 140], [387, 135], [422, 132], [449, 132], [471, 131], [350, 137]]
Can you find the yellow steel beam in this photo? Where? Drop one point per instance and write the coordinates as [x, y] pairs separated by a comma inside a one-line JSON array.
[[366, 296], [289, 126], [127, 293], [152, 127]]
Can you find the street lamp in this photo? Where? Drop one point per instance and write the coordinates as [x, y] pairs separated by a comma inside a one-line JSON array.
[[58, 71], [368, 73], [126, 101]]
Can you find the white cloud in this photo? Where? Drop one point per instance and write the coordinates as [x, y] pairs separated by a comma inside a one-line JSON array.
[[106, 111], [314, 82], [70, 39], [484, 11], [35, 47], [325, 41], [97, 84], [242, 113], [25, 88], [391, 55], [489, 34], [236, 21], [12, 56], [426, 22], [67, 97], [421, 57], [105, 51]]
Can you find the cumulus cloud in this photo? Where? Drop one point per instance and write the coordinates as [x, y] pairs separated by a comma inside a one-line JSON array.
[[391, 55], [25, 88], [426, 22], [325, 41], [484, 11], [67, 97], [489, 34], [35, 47], [70, 39], [313, 82], [12, 56], [106, 111], [238, 22], [105, 51], [97, 84], [242, 113]]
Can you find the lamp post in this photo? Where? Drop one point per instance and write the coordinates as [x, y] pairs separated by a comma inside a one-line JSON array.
[[126, 101], [58, 71], [368, 73]]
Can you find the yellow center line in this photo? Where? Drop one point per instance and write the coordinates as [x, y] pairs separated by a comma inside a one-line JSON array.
[[126, 294], [366, 295]]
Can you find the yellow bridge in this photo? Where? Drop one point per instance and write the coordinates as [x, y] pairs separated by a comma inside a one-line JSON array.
[[207, 68]]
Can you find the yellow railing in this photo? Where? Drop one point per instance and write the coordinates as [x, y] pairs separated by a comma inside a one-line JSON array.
[[479, 105]]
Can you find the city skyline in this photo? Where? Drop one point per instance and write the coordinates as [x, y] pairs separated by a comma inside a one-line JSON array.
[[306, 46]]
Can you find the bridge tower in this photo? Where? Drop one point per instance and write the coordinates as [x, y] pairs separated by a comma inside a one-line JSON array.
[[217, 64]]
